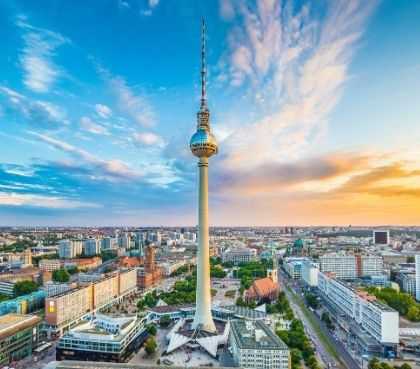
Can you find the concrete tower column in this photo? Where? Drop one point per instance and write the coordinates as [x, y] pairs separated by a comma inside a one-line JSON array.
[[203, 145], [203, 318]]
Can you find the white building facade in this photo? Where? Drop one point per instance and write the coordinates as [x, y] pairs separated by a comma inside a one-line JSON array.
[[377, 319]]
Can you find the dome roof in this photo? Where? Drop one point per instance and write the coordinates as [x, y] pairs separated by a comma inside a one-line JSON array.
[[203, 144], [298, 243]]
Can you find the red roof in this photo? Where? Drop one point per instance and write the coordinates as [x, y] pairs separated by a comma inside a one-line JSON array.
[[262, 287]]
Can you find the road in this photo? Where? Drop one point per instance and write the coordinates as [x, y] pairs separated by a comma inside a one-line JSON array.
[[327, 357]]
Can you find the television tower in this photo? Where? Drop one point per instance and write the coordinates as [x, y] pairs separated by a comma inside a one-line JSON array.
[[203, 145]]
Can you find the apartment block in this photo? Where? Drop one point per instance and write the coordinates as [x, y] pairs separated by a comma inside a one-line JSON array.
[[351, 266], [375, 318], [67, 308], [239, 255]]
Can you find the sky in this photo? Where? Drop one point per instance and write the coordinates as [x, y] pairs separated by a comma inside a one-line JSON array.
[[315, 106]]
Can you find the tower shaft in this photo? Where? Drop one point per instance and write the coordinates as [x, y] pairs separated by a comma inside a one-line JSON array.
[[203, 318]]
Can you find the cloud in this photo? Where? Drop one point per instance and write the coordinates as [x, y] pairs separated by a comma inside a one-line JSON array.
[[38, 113], [392, 179], [95, 128], [149, 10], [112, 170], [103, 111], [123, 4], [336, 188], [136, 106], [36, 57], [149, 139], [318, 174], [51, 202], [292, 64], [227, 10]]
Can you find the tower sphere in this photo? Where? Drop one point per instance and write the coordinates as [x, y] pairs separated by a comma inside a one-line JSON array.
[[203, 143]]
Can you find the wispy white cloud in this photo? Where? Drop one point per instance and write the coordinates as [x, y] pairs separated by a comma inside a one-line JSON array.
[[103, 111], [293, 64], [39, 113], [90, 126], [36, 57], [110, 169], [149, 139], [135, 105], [51, 202]]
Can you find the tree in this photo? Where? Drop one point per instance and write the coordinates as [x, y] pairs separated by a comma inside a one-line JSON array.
[[413, 313], [150, 345], [151, 329], [374, 363], [405, 366], [73, 270], [24, 288], [296, 357], [61, 275], [217, 272], [385, 366], [312, 300]]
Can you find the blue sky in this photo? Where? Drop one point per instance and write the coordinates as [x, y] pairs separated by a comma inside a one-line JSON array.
[[314, 104]]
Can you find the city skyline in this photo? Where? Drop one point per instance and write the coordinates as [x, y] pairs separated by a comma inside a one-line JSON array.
[[314, 107]]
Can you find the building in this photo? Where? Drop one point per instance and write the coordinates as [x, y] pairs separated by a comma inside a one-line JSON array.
[[342, 265], [253, 345], [105, 338], [109, 243], [375, 318], [69, 249], [262, 290], [67, 308], [417, 268], [406, 279], [150, 274], [7, 288], [49, 265], [53, 289], [310, 273], [91, 247], [105, 290], [380, 237], [239, 255], [23, 304], [293, 267], [369, 265], [350, 267], [18, 336]]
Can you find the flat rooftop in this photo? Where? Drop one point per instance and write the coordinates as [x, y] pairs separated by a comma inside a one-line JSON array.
[[256, 335], [13, 323]]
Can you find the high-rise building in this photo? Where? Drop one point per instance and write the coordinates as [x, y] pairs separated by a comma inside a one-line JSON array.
[[69, 249], [203, 145], [91, 247], [351, 266], [381, 237], [417, 260]]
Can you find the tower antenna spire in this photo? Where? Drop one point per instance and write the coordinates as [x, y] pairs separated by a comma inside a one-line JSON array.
[[203, 65]]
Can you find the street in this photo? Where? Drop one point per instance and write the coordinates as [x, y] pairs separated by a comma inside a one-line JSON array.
[[345, 358]]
